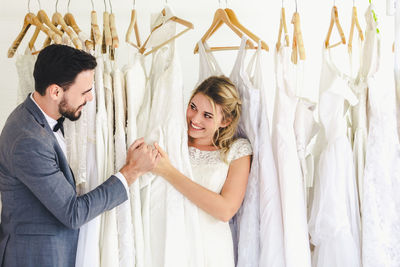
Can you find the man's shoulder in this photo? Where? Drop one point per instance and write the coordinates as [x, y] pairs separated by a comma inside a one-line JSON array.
[[21, 124]]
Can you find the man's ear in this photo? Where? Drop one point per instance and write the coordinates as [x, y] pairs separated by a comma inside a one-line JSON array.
[[55, 92]]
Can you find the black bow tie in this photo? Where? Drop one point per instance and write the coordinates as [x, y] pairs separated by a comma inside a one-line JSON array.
[[59, 125]]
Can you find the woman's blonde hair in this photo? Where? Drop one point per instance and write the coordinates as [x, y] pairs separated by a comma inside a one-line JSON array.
[[221, 91]]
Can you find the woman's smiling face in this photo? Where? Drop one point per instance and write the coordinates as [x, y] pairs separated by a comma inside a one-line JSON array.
[[202, 120]]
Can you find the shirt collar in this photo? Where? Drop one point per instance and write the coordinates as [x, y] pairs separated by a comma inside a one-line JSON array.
[[52, 122]]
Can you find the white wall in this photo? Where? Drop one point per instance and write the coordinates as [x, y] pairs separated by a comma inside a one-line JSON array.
[[262, 17]]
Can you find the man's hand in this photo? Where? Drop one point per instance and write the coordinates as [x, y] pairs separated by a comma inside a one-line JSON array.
[[140, 159]]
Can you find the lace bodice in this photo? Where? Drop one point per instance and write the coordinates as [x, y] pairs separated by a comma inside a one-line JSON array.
[[240, 148], [210, 170]]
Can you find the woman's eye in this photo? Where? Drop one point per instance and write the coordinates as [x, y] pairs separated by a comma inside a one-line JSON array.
[[193, 107], [207, 116]]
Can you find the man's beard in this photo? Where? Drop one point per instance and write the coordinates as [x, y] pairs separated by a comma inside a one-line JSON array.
[[68, 112]]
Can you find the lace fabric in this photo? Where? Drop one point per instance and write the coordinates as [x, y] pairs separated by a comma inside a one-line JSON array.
[[240, 148]]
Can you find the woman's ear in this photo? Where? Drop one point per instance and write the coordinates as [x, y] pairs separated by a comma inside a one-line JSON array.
[[225, 122]]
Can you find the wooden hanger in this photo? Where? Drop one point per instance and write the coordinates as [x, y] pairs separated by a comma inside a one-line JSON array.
[[58, 19], [133, 26], [297, 45], [70, 21], [354, 22], [335, 21], [107, 39], [94, 28], [113, 29], [187, 24], [221, 17], [282, 27], [43, 18], [31, 19], [235, 21]]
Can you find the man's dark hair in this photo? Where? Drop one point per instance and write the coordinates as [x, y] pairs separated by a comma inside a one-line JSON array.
[[60, 64]]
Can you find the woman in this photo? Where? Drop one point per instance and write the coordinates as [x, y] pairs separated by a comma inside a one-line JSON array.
[[220, 165]]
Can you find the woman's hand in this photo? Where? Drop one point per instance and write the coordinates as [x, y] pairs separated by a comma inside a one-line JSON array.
[[164, 165]]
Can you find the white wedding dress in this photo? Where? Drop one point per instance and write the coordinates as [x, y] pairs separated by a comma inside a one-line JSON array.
[[258, 222], [26, 84], [171, 229], [210, 171], [88, 253], [109, 250], [334, 223], [294, 211], [381, 199], [397, 61], [124, 216], [135, 84]]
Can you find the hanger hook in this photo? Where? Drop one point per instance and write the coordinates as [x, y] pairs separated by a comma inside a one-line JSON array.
[[29, 6], [109, 1], [92, 4], [105, 6], [56, 5], [40, 6], [69, 1], [296, 5], [134, 4]]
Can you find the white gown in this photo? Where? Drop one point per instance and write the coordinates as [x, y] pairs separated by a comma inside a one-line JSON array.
[[135, 84], [381, 200], [397, 61], [263, 189], [335, 220], [210, 171], [26, 84], [294, 211], [88, 253], [124, 216], [170, 222], [109, 250], [258, 222], [306, 128]]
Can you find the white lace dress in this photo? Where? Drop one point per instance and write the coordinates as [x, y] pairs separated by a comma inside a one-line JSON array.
[[334, 223], [294, 211], [381, 199], [210, 171]]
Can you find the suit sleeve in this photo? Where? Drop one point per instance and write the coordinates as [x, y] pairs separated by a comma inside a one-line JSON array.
[[35, 165]]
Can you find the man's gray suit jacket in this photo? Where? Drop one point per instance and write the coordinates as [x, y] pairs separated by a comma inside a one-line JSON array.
[[41, 212]]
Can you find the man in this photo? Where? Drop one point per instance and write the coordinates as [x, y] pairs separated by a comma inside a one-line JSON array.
[[41, 212]]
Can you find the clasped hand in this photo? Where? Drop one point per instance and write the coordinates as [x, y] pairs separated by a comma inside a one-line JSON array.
[[142, 158]]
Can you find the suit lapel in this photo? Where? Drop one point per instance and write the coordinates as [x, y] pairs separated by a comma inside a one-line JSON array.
[[39, 117]]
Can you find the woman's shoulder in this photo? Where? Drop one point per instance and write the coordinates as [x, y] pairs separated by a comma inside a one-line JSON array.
[[240, 147]]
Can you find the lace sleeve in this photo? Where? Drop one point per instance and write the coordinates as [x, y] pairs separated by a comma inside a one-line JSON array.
[[240, 148]]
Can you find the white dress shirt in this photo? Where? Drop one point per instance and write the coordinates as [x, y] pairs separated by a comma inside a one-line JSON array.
[[61, 141]]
